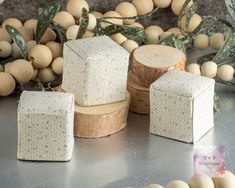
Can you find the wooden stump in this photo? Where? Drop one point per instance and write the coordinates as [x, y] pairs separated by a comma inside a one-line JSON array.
[[101, 121], [149, 62], [139, 96]]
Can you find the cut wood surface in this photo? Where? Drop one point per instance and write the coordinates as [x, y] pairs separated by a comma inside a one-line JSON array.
[[149, 62], [139, 96], [100, 121]]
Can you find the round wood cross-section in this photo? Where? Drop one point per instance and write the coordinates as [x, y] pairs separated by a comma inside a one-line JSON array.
[[139, 96], [149, 62], [102, 120]]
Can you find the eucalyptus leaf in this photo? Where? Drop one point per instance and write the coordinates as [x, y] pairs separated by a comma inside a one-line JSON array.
[[84, 23], [179, 45], [182, 13], [226, 48], [133, 33], [191, 11], [109, 30], [231, 7], [216, 103], [205, 58], [60, 30], [208, 26], [18, 39], [169, 41], [45, 18]]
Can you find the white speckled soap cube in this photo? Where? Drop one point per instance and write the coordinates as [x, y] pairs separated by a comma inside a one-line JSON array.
[[45, 126], [181, 106], [95, 71]]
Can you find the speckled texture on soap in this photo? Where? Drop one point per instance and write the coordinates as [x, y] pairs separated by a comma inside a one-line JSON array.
[[181, 106], [26, 9], [95, 71], [45, 126]]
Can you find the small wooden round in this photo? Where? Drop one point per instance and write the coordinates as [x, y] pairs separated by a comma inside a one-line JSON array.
[[100, 121], [139, 96], [149, 62]]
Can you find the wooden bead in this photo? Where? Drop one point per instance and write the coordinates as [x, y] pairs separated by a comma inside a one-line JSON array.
[[46, 75], [143, 7], [149, 62], [177, 184], [102, 120], [201, 42], [165, 34], [201, 181], [130, 45], [31, 23], [174, 30], [162, 3], [7, 84], [4, 36], [118, 38], [152, 34], [177, 5], [97, 14], [193, 23], [64, 19], [5, 49], [209, 69], [113, 20], [139, 96], [126, 9], [75, 7], [194, 69], [27, 33], [217, 41], [137, 24], [226, 72], [14, 22]]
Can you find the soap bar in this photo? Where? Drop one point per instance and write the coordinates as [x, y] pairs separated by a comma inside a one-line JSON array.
[[149, 62], [45, 126], [95, 71], [181, 106]]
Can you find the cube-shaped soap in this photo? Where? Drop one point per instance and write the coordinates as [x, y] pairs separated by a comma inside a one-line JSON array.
[[181, 106], [45, 126], [95, 71]]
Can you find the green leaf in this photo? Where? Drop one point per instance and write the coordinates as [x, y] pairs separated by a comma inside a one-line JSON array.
[[182, 13], [168, 41], [18, 39], [179, 45], [226, 48], [61, 31], [133, 33], [84, 23], [45, 18], [109, 30], [216, 103], [205, 58], [208, 26], [231, 7], [191, 11]]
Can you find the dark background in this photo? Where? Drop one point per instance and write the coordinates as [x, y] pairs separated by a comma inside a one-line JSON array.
[[25, 9]]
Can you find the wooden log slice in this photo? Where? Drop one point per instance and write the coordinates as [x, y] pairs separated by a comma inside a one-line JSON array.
[[139, 96], [149, 62], [101, 121]]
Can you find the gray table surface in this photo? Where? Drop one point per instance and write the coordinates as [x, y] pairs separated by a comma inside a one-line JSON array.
[[132, 157]]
